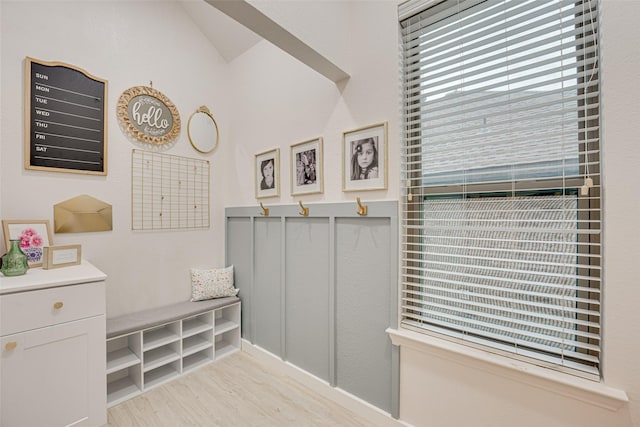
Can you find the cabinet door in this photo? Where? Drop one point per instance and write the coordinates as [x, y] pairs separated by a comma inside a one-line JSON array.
[[54, 376]]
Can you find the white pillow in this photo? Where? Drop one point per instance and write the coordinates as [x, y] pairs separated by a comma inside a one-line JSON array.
[[212, 283]]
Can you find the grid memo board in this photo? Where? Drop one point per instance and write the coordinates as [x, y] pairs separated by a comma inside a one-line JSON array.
[[168, 192]]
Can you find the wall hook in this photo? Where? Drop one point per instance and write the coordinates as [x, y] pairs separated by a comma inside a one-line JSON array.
[[265, 211], [304, 211], [362, 209]]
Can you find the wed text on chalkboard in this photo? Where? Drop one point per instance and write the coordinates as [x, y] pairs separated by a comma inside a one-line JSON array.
[[66, 119]]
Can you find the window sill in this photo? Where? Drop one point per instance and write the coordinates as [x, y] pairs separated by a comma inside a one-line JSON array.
[[595, 393]]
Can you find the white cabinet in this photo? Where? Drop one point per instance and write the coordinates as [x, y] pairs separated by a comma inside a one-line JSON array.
[[143, 359], [52, 328]]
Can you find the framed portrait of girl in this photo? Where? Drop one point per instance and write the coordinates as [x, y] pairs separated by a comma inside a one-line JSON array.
[[364, 158], [267, 173]]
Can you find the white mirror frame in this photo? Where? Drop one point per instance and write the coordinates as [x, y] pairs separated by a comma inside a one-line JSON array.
[[203, 130]]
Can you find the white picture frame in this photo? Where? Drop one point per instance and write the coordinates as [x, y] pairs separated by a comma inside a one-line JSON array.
[[267, 173], [365, 145], [306, 166], [61, 256], [34, 235]]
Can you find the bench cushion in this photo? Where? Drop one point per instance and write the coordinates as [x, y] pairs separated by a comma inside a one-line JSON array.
[[146, 319]]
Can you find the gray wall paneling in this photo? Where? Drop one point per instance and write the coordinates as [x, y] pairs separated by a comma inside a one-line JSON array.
[[307, 295], [319, 291], [267, 284], [363, 251], [237, 249]]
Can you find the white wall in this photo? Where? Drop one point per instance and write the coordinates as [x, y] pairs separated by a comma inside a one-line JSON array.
[[621, 89], [279, 102], [129, 43]]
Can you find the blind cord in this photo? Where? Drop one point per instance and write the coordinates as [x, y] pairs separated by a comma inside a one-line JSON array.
[[588, 181]]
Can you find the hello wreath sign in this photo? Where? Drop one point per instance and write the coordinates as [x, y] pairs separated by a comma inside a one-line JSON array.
[[147, 115]]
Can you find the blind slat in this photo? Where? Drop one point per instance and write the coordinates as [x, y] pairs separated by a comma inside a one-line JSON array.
[[510, 331], [543, 323]]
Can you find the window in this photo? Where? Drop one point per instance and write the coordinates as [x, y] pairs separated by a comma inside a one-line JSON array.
[[501, 222]]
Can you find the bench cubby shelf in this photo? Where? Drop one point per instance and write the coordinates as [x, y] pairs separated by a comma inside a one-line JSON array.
[[140, 359]]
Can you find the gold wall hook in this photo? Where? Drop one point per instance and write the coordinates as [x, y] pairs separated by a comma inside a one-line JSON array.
[[362, 209], [304, 211], [265, 211]]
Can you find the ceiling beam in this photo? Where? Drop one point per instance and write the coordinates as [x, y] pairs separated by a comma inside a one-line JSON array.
[[261, 24]]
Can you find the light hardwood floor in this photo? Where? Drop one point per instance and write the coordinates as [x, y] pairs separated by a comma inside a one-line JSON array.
[[235, 391]]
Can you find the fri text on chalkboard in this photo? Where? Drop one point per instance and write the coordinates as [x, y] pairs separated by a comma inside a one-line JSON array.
[[65, 118]]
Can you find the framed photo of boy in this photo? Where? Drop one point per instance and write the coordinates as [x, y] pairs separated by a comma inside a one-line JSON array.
[[364, 158], [306, 167], [34, 235], [267, 174]]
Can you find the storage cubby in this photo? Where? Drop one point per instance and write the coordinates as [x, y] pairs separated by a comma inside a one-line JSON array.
[[197, 359], [227, 325], [226, 343], [161, 355], [161, 374], [143, 359], [197, 324], [196, 343], [123, 384], [160, 336], [124, 364]]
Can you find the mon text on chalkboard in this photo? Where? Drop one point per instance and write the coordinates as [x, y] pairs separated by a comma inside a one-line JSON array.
[[65, 118]]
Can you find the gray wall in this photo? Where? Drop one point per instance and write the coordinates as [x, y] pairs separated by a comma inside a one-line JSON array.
[[319, 291]]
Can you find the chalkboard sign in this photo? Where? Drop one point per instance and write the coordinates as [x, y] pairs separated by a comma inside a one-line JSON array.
[[66, 119]]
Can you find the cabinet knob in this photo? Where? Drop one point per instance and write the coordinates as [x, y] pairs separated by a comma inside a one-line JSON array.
[[10, 345], [58, 305]]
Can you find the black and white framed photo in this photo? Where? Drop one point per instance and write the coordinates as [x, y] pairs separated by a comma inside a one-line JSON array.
[[364, 158], [267, 174], [307, 167]]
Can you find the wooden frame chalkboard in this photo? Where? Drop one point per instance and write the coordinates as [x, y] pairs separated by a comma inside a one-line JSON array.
[[65, 119]]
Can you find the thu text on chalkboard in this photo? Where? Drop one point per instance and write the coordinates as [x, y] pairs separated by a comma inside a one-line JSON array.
[[66, 119]]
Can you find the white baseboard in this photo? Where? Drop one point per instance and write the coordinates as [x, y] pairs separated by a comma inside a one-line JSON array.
[[363, 409]]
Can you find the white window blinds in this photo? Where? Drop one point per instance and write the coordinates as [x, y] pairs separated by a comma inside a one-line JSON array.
[[501, 225]]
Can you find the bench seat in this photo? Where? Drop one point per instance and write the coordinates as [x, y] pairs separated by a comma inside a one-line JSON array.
[[128, 323]]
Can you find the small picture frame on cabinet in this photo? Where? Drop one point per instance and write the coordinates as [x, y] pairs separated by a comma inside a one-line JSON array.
[[61, 256], [34, 235]]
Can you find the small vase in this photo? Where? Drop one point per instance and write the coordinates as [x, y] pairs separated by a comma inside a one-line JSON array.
[[14, 262]]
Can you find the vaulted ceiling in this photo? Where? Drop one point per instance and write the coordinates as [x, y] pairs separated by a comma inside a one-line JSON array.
[[228, 36], [235, 26]]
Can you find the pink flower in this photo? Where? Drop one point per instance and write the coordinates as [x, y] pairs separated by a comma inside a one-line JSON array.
[[25, 242], [28, 232], [36, 241], [29, 237]]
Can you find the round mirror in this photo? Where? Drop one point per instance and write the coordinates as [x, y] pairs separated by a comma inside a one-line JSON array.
[[203, 130]]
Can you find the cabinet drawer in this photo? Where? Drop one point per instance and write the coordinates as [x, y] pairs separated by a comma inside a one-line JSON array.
[[35, 309]]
